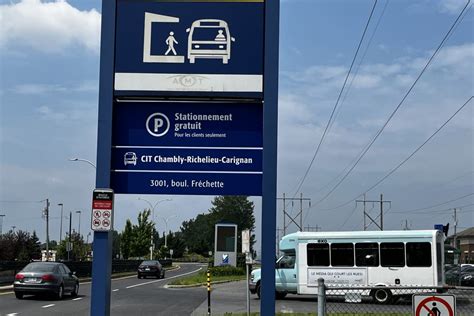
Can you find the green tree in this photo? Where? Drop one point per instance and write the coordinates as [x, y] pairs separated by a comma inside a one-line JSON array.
[[142, 233], [115, 244], [198, 233], [79, 248], [126, 239]]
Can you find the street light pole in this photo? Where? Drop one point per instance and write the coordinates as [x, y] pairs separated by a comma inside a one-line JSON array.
[[166, 228], [61, 224], [79, 224], [152, 207], [83, 160]]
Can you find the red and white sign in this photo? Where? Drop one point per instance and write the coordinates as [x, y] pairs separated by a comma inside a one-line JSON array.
[[434, 305], [102, 210]]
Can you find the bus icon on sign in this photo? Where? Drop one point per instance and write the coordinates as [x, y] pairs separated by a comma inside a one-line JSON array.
[[209, 38]]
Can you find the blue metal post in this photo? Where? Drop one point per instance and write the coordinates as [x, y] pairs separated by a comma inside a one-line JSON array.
[[102, 255], [270, 126]]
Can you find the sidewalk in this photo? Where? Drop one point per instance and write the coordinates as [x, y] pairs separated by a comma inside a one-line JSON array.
[[228, 298]]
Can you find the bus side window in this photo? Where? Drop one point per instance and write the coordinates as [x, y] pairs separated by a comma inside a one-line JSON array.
[[392, 254], [418, 254], [317, 255], [367, 254], [342, 255]]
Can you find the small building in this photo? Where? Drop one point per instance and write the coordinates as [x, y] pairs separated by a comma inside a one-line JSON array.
[[465, 244]]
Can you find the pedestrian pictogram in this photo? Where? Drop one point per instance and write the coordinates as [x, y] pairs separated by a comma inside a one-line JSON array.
[[97, 214], [434, 305]]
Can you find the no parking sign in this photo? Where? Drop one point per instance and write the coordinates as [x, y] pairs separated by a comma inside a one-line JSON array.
[[434, 305]]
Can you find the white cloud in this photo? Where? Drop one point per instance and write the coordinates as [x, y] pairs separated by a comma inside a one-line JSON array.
[[451, 6], [49, 26], [41, 89]]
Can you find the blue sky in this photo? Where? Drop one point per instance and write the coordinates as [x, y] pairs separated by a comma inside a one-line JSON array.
[[48, 112]]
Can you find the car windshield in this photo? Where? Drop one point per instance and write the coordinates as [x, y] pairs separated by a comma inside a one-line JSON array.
[[39, 267], [148, 263]]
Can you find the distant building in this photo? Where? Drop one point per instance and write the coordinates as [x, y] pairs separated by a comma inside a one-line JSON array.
[[465, 243]]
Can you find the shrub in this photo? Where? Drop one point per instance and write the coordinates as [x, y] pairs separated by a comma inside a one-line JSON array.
[[226, 270]]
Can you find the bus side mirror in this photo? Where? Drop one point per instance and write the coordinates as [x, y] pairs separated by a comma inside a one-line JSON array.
[[187, 30]]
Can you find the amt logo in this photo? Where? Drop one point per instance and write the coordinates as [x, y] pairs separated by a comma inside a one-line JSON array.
[[157, 124]]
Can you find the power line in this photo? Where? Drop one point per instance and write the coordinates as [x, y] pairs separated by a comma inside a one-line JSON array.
[[406, 159], [436, 205], [347, 93], [337, 101], [397, 107]]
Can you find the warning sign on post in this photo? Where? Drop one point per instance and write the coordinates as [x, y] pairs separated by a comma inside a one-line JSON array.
[[102, 209], [434, 305]]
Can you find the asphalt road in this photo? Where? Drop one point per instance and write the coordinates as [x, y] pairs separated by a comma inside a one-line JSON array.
[[130, 296]]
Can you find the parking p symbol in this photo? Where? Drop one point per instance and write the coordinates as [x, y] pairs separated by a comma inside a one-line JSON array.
[[157, 124]]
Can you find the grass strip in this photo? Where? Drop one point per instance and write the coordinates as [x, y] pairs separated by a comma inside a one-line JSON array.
[[201, 278]]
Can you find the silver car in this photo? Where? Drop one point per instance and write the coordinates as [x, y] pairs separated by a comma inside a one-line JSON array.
[[46, 277]]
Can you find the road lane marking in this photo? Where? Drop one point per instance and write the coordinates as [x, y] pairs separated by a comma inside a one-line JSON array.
[[173, 277], [77, 299], [46, 306], [12, 314], [115, 290], [122, 278]]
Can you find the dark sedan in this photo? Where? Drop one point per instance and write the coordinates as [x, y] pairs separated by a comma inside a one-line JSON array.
[[46, 277], [151, 268]]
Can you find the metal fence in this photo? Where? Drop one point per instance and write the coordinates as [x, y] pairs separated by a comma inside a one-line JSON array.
[[390, 301]]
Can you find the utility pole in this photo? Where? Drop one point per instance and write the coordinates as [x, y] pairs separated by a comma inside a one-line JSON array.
[[381, 201], [46, 214], [1, 223], [61, 224], [68, 247], [313, 228], [299, 214], [455, 216], [406, 225]]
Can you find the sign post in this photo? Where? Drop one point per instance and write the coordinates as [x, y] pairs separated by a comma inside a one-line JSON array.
[[188, 105]]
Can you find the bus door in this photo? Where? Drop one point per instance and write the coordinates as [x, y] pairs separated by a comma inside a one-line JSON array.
[[286, 273]]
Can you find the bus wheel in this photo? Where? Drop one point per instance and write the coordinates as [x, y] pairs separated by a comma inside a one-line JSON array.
[[381, 296], [280, 295]]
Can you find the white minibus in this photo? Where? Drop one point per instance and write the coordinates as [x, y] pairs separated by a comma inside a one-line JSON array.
[[379, 259]]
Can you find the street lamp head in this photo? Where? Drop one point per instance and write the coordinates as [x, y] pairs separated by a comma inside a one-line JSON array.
[[60, 204], [79, 212], [73, 159]]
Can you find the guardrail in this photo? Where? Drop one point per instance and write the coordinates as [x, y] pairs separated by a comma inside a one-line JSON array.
[[8, 269]]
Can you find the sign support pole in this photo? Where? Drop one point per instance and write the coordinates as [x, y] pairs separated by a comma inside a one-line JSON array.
[[270, 126], [102, 244]]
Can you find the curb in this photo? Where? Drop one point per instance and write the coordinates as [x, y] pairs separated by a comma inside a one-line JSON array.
[[199, 284]]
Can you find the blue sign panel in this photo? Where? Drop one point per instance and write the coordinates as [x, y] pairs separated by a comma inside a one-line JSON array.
[[187, 148], [189, 46]]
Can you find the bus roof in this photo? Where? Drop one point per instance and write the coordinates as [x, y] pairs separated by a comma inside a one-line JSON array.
[[289, 241]]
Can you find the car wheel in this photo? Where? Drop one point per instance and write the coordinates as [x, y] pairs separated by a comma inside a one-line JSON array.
[[60, 293], [19, 295], [258, 290], [139, 276], [75, 292], [163, 275], [382, 296]]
